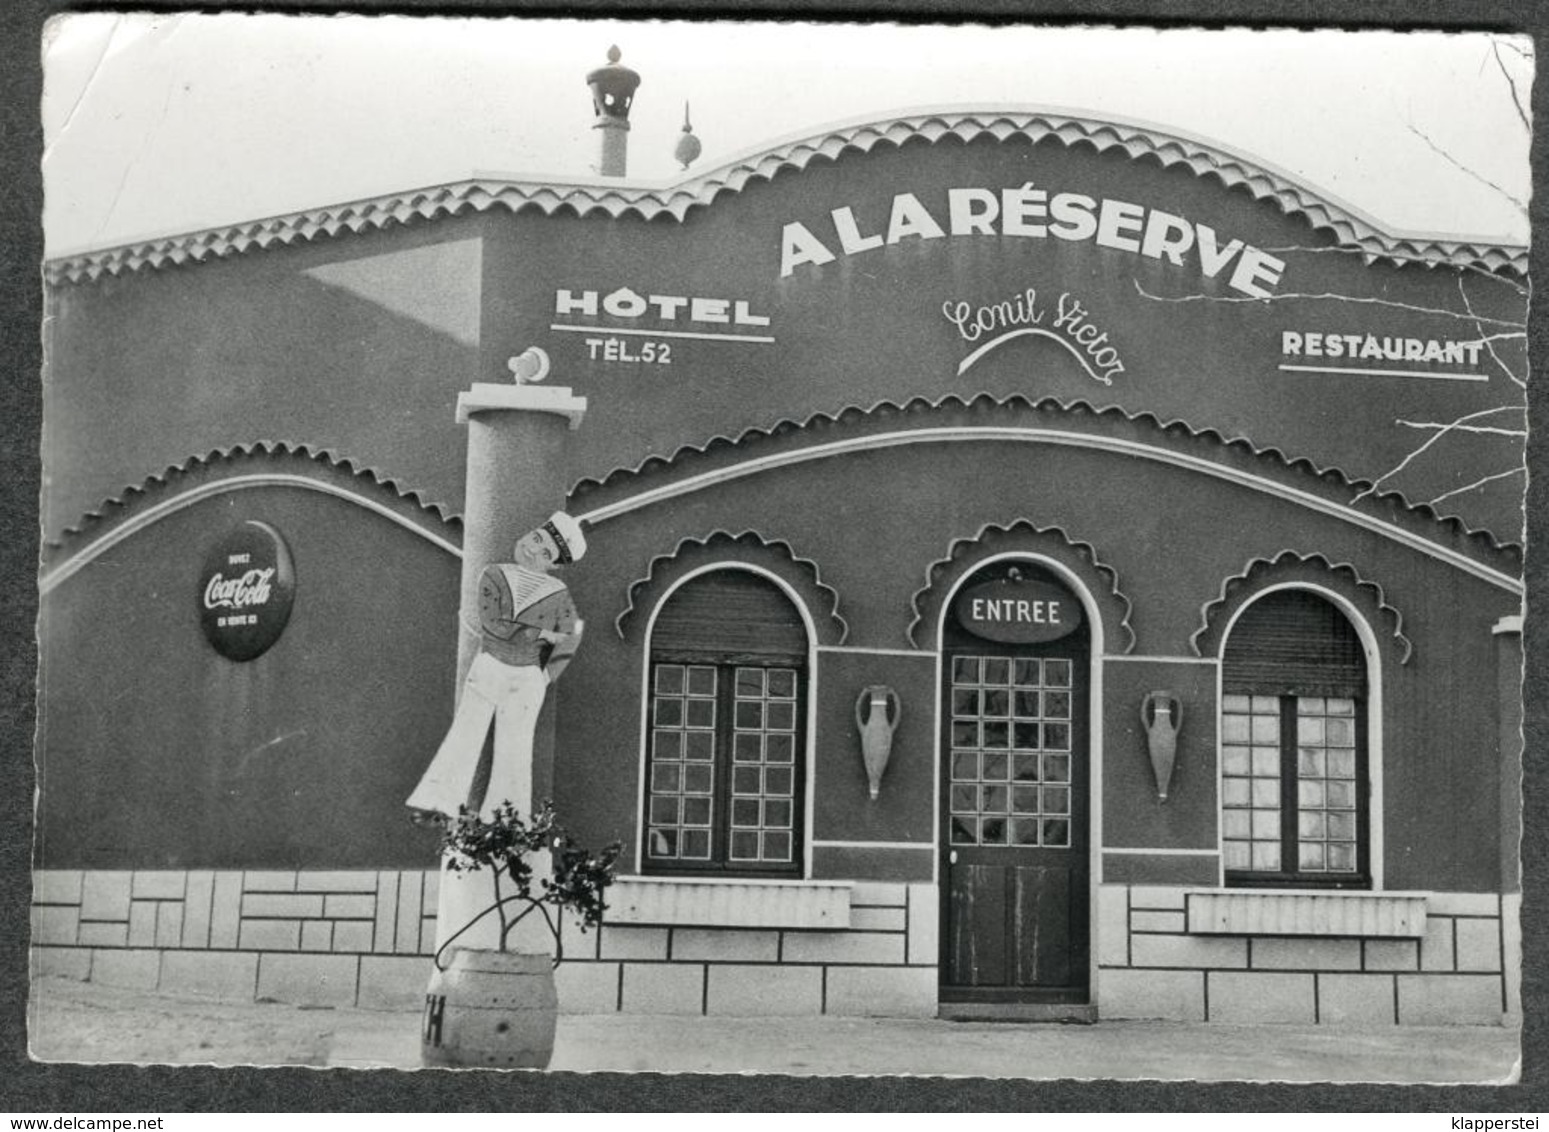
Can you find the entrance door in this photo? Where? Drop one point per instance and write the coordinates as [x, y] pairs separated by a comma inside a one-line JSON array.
[[1014, 795]]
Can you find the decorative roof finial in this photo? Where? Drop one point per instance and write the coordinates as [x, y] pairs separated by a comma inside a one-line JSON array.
[[688, 147]]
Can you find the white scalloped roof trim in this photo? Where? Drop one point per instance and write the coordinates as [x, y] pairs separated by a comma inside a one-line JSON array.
[[1349, 226]]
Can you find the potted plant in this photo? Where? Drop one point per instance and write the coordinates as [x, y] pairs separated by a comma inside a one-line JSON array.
[[496, 1007]]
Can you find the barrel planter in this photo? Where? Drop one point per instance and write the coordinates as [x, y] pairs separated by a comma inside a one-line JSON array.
[[490, 1009]]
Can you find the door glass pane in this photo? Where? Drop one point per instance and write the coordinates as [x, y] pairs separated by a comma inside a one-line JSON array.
[[1001, 721]]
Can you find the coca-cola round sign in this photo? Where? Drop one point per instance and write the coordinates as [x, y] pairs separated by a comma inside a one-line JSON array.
[[246, 590]]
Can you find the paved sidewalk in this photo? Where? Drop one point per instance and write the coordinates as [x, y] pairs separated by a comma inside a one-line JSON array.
[[73, 1021]]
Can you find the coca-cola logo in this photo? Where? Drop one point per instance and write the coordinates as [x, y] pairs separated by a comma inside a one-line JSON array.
[[252, 588], [246, 589]]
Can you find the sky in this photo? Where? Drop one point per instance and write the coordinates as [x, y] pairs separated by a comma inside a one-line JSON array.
[[160, 124]]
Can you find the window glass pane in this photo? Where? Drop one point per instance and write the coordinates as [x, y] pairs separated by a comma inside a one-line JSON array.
[[663, 843], [965, 702], [1234, 760], [747, 748], [1234, 823], [1056, 768], [965, 670], [696, 810], [780, 716], [697, 779], [1234, 791], [779, 748], [994, 767], [1341, 732], [666, 778], [1236, 728], [1026, 673], [965, 766], [696, 845], [1266, 856], [997, 702], [777, 814], [1056, 736], [701, 680], [1266, 792], [777, 846], [1024, 736], [750, 716], [1266, 705], [669, 713], [1309, 762], [669, 679], [997, 735], [965, 799], [965, 831], [744, 812], [1056, 705], [997, 670], [993, 799], [667, 744], [1056, 832], [1309, 729], [1235, 704], [664, 811], [777, 781], [1025, 705], [750, 683], [1056, 800], [1312, 856], [700, 713], [699, 746], [992, 831], [1266, 729], [782, 683], [744, 846], [1056, 674], [1235, 854], [1266, 762], [965, 734], [1024, 800], [1024, 831]]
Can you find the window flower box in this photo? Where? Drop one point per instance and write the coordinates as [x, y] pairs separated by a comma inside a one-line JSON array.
[[1371, 915], [715, 903]]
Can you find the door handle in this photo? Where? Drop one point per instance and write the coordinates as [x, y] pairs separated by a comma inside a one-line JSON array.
[[952, 857]]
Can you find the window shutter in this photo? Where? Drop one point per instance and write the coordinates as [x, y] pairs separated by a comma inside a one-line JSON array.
[[727, 616], [1294, 643]]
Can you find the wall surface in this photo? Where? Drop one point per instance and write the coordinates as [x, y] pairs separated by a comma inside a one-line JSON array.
[[159, 753], [364, 938]]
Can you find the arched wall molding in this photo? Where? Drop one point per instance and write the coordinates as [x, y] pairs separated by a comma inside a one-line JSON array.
[[1021, 537], [694, 556], [1288, 569], [1048, 421], [242, 467]]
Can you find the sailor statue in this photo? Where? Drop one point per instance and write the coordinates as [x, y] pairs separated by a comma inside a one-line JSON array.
[[529, 631]]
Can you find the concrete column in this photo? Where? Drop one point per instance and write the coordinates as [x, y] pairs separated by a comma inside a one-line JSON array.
[[518, 475]]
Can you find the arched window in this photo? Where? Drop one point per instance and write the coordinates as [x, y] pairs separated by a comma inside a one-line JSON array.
[[1294, 784], [726, 727]]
